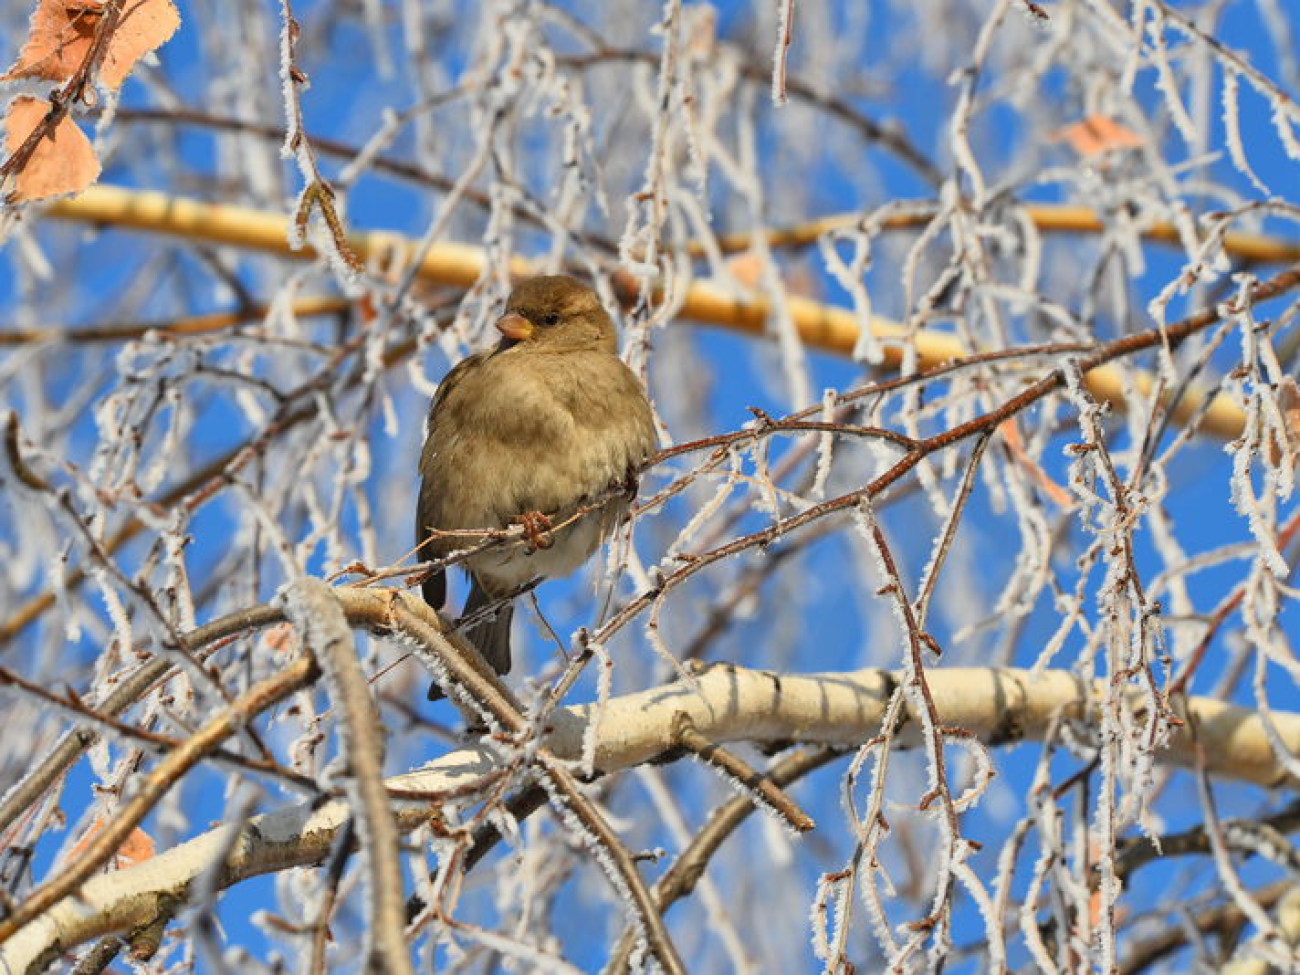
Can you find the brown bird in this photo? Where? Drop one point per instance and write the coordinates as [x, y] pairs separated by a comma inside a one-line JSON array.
[[527, 433]]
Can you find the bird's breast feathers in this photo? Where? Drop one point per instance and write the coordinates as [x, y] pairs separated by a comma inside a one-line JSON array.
[[534, 435]]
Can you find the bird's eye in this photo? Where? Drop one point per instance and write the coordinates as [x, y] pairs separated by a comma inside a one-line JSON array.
[[551, 318]]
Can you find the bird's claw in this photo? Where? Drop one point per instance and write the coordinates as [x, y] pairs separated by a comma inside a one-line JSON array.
[[537, 528]]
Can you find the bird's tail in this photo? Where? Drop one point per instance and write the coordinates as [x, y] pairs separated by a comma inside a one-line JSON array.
[[491, 636]]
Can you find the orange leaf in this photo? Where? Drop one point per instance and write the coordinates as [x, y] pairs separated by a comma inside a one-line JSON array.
[[280, 638], [136, 848], [746, 267], [1011, 437], [58, 40], [64, 162], [62, 32], [145, 25], [1097, 134], [1289, 401], [1289, 394]]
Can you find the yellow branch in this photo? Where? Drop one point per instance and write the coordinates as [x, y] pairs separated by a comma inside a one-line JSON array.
[[819, 325], [1047, 218]]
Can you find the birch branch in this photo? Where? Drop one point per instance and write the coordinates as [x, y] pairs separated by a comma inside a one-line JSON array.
[[821, 326], [1000, 706]]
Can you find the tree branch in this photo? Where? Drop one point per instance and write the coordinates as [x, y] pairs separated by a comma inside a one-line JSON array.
[[727, 704], [820, 326]]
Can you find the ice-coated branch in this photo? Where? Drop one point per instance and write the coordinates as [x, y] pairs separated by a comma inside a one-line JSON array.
[[315, 613], [727, 704]]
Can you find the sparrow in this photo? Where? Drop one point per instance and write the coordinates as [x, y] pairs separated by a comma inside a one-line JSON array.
[[546, 423]]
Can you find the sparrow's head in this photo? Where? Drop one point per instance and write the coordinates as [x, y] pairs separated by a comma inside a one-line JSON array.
[[556, 313]]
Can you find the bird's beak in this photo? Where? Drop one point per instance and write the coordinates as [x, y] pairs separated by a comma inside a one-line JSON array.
[[515, 327]]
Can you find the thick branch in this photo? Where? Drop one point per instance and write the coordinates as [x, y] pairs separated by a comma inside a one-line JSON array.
[[819, 325], [731, 704]]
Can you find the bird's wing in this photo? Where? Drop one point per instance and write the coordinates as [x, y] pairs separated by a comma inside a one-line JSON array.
[[435, 586]]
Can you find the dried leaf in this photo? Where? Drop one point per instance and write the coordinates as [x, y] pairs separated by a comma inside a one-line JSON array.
[[280, 638], [1097, 134], [145, 26], [62, 32], [136, 848], [63, 162], [747, 268], [1289, 394], [1016, 446], [1289, 400], [58, 39]]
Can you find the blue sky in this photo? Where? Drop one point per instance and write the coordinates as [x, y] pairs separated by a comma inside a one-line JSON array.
[[830, 626]]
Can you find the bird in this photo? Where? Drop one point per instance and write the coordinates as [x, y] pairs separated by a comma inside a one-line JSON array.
[[529, 432]]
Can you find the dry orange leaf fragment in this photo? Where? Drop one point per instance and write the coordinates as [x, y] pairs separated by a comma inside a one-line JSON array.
[[1289, 401], [747, 268], [62, 32], [62, 164], [1097, 134], [136, 848], [280, 638], [145, 26], [1016, 446], [1289, 395], [58, 38]]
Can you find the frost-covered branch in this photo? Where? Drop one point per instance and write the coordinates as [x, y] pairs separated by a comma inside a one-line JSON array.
[[729, 704]]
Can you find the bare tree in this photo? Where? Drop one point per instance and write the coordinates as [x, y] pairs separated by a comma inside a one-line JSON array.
[[979, 623]]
